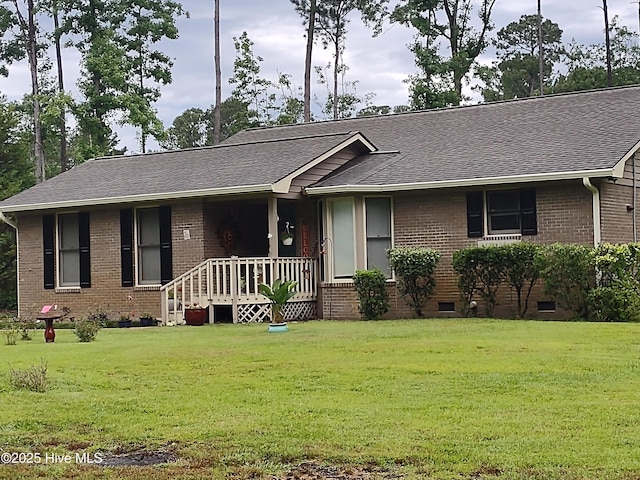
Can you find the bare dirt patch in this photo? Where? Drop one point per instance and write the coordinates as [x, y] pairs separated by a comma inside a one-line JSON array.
[[314, 471]]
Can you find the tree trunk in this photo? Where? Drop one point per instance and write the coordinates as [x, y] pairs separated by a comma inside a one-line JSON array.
[[64, 156], [216, 33], [28, 27], [335, 73], [607, 43], [307, 61]]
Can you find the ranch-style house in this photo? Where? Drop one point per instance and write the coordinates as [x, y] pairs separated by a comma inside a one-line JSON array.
[[162, 232]]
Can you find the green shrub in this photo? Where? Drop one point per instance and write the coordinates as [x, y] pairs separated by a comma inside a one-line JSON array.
[[414, 268], [98, 314], [33, 378], [481, 271], [569, 274], [372, 293], [616, 303], [522, 264], [617, 296], [86, 330], [11, 336]]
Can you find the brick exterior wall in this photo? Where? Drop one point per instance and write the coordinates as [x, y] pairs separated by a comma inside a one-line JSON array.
[[438, 220], [106, 291], [617, 220], [434, 219]]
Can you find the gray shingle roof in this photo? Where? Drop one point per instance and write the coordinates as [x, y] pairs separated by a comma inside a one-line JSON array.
[[558, 133], [252, 165], [584, 132]]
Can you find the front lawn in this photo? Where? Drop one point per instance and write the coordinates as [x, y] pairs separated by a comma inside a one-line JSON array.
[[422, 398]]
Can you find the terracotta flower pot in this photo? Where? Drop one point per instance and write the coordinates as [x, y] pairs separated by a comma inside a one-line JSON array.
[[195, 316]]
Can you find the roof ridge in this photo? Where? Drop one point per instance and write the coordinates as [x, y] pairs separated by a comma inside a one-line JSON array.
[[285, 139], [434, 111], [223, 145]]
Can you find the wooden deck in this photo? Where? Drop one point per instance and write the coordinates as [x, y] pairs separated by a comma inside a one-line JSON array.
[[234, 281]]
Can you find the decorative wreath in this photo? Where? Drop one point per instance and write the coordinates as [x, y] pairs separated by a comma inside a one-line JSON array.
[[228, 235]]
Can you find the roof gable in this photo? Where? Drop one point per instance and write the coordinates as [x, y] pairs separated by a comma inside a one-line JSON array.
[[266, 165]]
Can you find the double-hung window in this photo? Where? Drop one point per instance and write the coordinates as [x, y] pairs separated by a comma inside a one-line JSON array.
[[66, 245], [502, 212], [145, 246], [378, 232], [148, 246], [68, 251]]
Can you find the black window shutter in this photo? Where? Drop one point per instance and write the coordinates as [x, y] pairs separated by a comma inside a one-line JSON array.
[[475, 218], [529, 217], [48, 243], [166, 256], [126, 247], [84, 241]]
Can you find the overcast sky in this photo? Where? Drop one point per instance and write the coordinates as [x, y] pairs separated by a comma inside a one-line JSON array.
[[378, 64]]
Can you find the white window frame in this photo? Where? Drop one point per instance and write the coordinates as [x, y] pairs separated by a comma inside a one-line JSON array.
[[137, 254], [59, 252], [391, 224], [487, 214]]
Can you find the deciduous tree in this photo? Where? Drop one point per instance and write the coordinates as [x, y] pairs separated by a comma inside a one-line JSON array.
[[440, 80]]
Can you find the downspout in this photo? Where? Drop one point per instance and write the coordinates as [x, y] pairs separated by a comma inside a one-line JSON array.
[[635, 197], [597, 233], [8, 221]]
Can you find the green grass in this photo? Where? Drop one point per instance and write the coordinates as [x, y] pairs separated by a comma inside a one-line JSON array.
[[424, 398]]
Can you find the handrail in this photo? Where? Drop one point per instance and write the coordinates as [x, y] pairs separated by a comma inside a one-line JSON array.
[[234, 281]]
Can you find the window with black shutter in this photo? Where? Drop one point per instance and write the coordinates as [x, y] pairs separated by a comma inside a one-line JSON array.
[[505, 211], [48, 244], [67, 246], [126, 247], [154, 256]]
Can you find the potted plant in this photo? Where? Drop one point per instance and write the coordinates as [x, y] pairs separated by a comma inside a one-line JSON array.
[[195, 314], [125, 321], [278, 293], [146, 320], [286, 236]]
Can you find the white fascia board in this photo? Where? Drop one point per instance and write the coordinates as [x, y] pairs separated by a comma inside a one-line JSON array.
[[283, 185], [618, 168], [471, 182], [154, 197]]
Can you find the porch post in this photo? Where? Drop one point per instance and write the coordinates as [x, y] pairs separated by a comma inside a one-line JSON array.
[[273, 226], [233, 279]]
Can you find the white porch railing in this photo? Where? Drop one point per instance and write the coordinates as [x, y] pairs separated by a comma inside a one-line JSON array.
[[234, 281]]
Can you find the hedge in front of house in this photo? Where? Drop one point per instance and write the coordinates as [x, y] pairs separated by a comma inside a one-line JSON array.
[[596, 284], [616, 298], [414, 268]]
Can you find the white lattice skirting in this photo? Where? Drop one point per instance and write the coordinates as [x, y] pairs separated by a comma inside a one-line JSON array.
[[262, 312]]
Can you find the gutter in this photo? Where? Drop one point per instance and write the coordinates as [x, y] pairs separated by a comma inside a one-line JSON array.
[[470, 182], [8, 221], [597, 231], [152, 197]]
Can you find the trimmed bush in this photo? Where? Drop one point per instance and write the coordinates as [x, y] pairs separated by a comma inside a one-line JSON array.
[[372, 293], [617, 296], [481, 271], [414, 268], [522, 264], [569, 275]]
